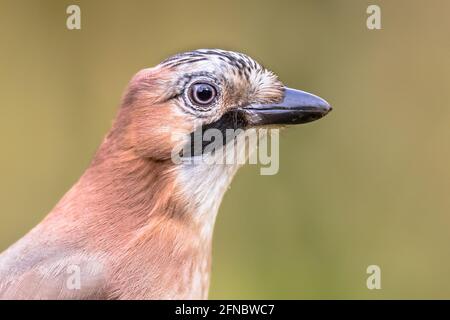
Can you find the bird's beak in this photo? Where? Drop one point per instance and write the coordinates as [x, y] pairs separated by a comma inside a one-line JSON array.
[[295, 108]]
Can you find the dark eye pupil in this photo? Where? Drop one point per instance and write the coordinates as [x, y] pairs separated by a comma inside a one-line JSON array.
[[203, 93]]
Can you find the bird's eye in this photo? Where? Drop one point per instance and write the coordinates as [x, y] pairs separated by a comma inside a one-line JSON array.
[[202, 94]]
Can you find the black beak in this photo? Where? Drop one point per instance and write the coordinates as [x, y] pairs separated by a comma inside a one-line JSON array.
[[297, 107]]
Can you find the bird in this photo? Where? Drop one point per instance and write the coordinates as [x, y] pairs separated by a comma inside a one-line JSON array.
[[137, 224]]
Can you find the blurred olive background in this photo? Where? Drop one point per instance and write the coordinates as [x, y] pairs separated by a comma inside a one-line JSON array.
[[368, 184]]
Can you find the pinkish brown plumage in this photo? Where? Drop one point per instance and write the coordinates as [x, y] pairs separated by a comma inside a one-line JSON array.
[[137, 225]]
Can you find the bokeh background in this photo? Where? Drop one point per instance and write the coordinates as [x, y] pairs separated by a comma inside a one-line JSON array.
[[368, 184]]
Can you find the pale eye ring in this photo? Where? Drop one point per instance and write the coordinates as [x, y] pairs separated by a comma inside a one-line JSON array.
[[202, 94]]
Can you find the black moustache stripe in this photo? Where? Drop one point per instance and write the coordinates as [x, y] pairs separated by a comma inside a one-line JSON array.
[[230, 120]]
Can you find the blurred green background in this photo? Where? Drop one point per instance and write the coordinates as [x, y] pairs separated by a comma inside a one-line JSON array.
[[368, 184]]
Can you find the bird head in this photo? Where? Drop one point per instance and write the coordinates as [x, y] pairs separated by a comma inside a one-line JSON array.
[[208, 89], [165, 105]]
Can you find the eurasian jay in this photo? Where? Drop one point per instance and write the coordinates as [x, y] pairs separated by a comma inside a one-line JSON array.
[[138, 225]]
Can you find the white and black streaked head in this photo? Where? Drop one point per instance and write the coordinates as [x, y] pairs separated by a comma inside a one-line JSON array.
[[210, 88], [213, 82]]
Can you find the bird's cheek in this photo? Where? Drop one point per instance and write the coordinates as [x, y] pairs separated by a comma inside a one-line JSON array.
[[158, 132]]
